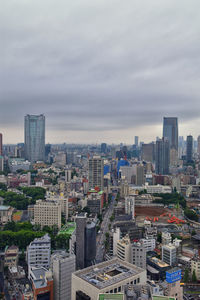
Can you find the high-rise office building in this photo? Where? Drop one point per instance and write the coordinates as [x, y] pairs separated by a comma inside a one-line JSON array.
[[34, 134], [170, 131], [148, 152], [96, 169], [63, 265], [1, 144], [162, 156], [85, 242], [189, 149]]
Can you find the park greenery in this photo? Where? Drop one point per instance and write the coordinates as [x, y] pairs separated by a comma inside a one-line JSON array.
[[22, 233], [20, 201], [173, 198]]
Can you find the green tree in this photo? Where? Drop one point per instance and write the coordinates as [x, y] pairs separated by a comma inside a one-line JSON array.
[[3, 187], [186, 276], [112, 218], [194, 277], [107, 235]]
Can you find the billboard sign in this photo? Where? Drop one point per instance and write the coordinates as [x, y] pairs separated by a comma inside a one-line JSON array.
[[174, 276]]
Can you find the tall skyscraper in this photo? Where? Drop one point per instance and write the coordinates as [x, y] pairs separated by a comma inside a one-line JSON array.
[[162, 156], [96, 170], [170, 131], [189, 148], [1, 144], [85, 242], [34, 134]]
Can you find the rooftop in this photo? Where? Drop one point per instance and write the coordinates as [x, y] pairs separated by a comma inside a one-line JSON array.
[[159, 262], [108, 273], [68, 228], [3, 207]]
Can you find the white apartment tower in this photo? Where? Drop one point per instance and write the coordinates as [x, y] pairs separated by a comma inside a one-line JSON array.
[[96, 171], [38, 252]]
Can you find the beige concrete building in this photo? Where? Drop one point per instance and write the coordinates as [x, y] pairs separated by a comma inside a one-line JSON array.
[[107, 277], [47, 213], [124, 249]]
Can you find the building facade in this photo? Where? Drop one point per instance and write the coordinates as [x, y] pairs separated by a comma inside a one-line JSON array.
[[169, 254], [47, 213], [38, 252]]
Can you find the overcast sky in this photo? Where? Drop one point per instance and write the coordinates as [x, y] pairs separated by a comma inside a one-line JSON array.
[[100, 70]]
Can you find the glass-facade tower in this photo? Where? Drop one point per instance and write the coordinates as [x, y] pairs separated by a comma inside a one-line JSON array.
[[34, 135]]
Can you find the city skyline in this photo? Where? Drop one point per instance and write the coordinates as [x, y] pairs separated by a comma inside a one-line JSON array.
[[129, 140], [105, 82]]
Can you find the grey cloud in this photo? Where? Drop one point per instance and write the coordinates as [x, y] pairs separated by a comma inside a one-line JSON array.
[[99, 65]]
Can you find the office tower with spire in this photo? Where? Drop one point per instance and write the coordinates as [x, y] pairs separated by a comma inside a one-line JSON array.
[[170, 131], [34, 134]]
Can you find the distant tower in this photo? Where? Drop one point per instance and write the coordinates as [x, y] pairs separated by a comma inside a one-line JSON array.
[[198, 145], [162, 156], [1, 144], [136, 141], [103, 148], [189, 148], [170, 131], [96, 171], [34, 133]]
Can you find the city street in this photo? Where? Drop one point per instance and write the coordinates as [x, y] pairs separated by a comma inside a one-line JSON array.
[[104, 228]]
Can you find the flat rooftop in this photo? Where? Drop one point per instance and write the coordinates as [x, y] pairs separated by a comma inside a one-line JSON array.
[[159, 262], [108, 273], [68, 228]]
